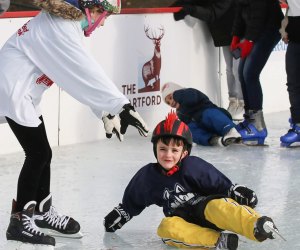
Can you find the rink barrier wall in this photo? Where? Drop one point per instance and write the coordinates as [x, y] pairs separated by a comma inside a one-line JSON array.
[[188, 57]]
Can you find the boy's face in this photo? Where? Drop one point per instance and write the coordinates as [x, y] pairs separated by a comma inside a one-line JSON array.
[[169, 155], [171, 102]]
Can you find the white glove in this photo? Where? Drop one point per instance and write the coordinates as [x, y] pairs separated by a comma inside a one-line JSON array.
[[112, 125]]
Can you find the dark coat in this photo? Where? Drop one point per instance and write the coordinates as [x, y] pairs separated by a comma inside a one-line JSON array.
[[195, 179], [192, 105], [253, 17], [219, 16]]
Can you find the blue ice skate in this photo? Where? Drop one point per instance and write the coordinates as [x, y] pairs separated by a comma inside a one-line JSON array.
[[292, 137], [252, 136], [253, 129]]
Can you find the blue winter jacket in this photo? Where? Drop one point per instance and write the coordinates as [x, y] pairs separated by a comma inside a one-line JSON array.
[[192, 104]]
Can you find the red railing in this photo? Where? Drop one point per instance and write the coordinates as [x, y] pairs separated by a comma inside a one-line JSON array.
[[124, 11]]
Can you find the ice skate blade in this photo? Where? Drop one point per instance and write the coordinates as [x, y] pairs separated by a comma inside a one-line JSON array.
[[274, 231], [290, 145], [254, 143], [54, 233], [17, 245]]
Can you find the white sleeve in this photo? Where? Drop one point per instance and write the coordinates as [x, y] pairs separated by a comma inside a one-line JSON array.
[[59, 53]]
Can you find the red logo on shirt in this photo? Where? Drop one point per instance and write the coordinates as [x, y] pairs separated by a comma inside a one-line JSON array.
[[44, 80], [23, 30]]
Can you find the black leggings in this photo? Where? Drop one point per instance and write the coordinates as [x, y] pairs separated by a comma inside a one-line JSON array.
[[34, 178]]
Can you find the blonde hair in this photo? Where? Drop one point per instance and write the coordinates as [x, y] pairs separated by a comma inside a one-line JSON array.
[[60, 8]]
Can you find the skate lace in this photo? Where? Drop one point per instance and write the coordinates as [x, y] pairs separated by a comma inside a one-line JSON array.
[[56, 220], [222, 243], [30, 226]]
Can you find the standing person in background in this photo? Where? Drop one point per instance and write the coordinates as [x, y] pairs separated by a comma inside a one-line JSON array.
[[255, 34], [219, 16], [49, 48], [4, 5], [291, 36]]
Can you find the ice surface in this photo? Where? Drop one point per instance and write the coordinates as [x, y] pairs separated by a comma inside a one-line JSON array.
[[88, 180]]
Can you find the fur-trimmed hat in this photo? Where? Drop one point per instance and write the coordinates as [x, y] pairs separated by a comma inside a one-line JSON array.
[[60, 8], [168, 88]]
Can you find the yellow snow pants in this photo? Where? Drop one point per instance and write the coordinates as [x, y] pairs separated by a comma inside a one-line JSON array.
[[225, 213]]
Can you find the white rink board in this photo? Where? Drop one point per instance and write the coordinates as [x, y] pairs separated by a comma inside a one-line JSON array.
[[188, 57]]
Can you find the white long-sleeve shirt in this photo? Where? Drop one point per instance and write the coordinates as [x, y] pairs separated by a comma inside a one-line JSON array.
[[50, 49]]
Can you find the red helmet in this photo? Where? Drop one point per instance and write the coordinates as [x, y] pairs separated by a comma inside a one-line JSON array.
[[173, 127]]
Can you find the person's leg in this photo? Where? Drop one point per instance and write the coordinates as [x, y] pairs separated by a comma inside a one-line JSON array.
[[21, 228], [292, 137], [229, 72], [293, 79], [200, 135], [254, 64], [216, 121], [34, 178], [236, 101], [175, 231], [227, 214]]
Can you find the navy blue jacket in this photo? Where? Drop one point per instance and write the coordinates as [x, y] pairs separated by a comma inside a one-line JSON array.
[[192, 104], [195, 179]]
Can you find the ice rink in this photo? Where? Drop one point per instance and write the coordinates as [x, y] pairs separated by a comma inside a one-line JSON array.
[[88, 181]]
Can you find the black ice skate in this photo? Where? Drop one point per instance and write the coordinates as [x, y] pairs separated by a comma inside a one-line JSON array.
[[227, 241], [266, 229], [52, 223], [22, 230]]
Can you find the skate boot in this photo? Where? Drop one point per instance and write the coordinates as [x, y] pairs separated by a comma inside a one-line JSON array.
[[52, 223], [253, 129], [292, 137], [265, 229], [128, 117], [227, 241], [22, 230], [231, 137]]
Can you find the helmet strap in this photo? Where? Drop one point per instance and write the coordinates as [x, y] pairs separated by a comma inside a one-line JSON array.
[[92, 26]]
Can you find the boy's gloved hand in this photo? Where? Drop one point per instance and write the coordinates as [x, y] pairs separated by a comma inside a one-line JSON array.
[[116, 219], [130, 117], [112, 126], [246, 48], [185, 10], [243, 195]]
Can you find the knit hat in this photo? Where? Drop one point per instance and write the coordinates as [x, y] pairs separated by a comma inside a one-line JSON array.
[[168, 88]]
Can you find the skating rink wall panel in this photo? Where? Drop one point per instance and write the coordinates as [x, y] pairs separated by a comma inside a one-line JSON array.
[[123, 47]]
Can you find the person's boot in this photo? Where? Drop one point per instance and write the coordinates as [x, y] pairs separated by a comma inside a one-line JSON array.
[[227, 241], [22, 230], [253, 129], [292, 137], [239, 111], [55, 224], [232, 106], [231, 137]]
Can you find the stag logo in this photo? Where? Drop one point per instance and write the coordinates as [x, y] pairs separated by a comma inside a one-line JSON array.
[[151, 69]]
